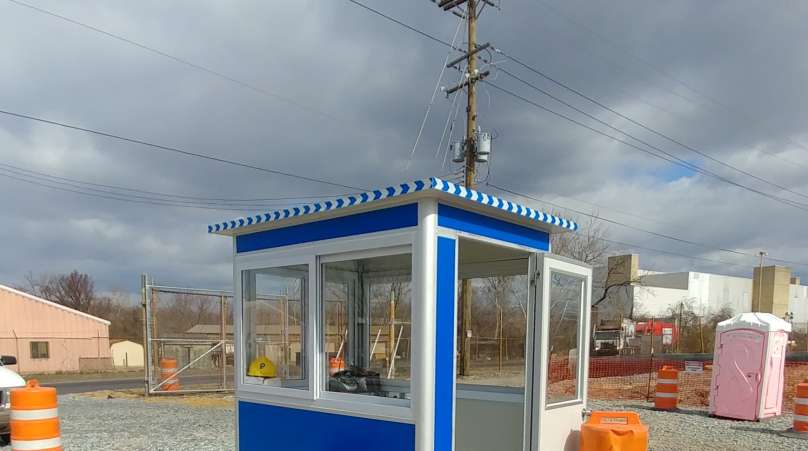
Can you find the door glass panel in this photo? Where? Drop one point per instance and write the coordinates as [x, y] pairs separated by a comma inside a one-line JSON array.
[[496, 335], [566, 302]]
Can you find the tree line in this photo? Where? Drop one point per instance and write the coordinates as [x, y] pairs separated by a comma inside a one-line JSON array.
[[76, 290]]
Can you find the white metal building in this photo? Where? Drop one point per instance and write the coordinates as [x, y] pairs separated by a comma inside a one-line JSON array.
[[127, 354], [657, 293]]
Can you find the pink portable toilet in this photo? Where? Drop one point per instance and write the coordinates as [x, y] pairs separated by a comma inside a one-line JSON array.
[[748, 367]]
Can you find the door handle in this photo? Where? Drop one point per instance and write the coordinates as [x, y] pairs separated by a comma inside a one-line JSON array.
[[585, 413]]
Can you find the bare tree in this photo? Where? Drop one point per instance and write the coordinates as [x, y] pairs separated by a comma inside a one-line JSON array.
[[590, 245], [74, 290], [587, 245]]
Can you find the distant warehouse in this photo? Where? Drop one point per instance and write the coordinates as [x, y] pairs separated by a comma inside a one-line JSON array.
[[47, 337]]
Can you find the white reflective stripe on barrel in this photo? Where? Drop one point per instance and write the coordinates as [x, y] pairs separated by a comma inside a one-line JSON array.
[[33, 445], [801, 401], [667, 381], [41, 414], [666, 395], [801, 418]]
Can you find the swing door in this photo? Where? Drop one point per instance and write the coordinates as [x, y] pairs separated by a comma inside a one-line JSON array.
[[558, 361]]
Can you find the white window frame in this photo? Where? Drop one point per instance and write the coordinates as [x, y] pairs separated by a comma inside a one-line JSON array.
[[357, 398], [241, 378], [369, 245]]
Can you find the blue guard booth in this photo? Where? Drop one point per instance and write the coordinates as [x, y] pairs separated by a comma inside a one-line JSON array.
[[346, 325]]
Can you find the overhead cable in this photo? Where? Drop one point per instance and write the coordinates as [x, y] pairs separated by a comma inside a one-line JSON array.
[[154, 195], [180, 60], [640, 229], [670, 158], [667, 157], [629, 119], [176, 150]]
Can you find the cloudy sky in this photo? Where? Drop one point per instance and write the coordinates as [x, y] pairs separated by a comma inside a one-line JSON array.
[[326, 89]]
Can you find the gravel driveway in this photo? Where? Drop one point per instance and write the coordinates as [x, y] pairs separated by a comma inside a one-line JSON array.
[[90, 424], [692, 429], [189, 424]]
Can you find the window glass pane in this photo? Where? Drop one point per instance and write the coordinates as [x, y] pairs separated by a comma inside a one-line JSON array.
[[40, 350], [496, 340], [566, 301], [366, 314], [274, 309]]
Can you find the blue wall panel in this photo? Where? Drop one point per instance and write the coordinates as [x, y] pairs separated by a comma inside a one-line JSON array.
[[445, 344], [263, 428], [467, 221], [372, 221]]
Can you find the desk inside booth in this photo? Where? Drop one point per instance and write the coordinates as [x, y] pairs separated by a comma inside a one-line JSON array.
[[346, 316]]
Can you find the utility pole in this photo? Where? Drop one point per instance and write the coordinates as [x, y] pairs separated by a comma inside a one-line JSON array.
[[470, 145], [471, 106]]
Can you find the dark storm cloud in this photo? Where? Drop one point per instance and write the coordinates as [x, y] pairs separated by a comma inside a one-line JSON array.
[[370, 81]]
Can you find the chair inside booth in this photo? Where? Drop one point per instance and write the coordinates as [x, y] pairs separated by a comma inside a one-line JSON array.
[[366, 312]]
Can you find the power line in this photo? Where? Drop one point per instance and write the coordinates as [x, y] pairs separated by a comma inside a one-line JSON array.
[[433, 38], [434, 94], [603, 37], [177, 150], [670, 158], [677, 254], [180, 60], [639, 229], [152, 195], [667, 156], [633, 121], [89, 190], [116, 197], [409, 27]]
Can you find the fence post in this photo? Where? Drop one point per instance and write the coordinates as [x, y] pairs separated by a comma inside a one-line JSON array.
[[156, 352], [223, 320], [144, 302]]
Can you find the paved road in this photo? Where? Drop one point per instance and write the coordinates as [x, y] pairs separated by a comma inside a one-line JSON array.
[[84, 386]]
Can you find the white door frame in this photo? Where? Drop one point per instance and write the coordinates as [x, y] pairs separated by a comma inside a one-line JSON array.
[[554, 426]]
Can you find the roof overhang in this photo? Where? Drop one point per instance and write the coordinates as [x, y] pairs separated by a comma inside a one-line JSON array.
[[433, 187]]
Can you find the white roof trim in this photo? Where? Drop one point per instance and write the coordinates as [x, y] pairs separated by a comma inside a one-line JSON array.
[[53, 304], [405, 189]]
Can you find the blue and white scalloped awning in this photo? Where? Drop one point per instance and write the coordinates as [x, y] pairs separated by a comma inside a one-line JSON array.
[[405, 189]]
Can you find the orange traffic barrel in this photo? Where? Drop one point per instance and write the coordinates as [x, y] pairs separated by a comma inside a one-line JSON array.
[[614, 431], [801, 407], [168, 374], [667, 388], [35, 419]]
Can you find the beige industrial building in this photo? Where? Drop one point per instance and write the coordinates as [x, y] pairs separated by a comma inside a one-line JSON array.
[[775, 291], [47, 337]]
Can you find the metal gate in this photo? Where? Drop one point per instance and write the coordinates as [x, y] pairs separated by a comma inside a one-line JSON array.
[[188, 339]]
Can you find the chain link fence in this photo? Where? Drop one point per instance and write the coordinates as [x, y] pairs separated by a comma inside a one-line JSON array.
[[188, 339]]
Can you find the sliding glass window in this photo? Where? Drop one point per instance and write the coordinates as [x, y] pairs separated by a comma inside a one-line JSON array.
[[274, 324], [366, 311]]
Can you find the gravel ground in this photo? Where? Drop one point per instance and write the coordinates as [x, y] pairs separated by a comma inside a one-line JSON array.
[[91, 424], [693, 429]]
